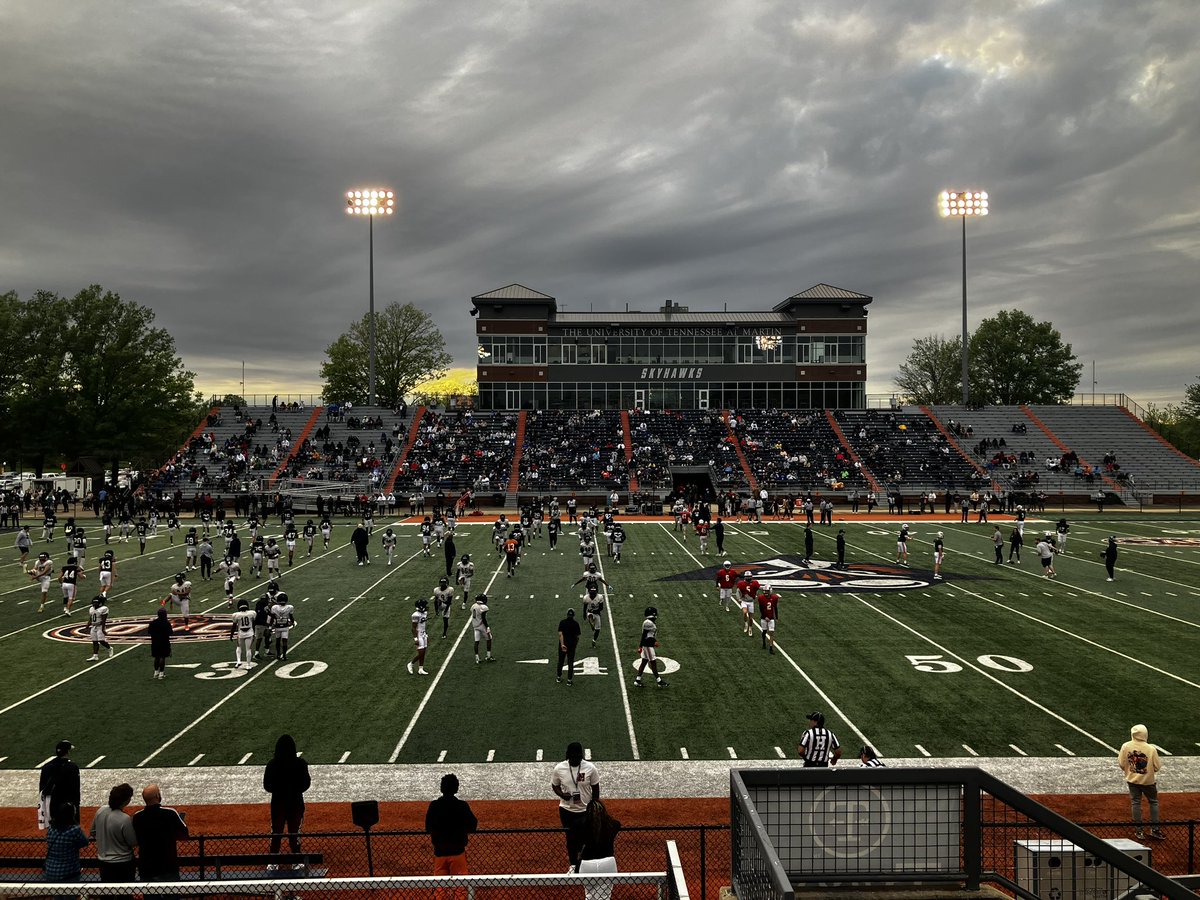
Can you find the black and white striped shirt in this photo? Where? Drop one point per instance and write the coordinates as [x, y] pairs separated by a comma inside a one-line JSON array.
[[817, 746], [873, 763]]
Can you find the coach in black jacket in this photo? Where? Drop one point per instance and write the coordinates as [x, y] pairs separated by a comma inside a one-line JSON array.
[[59, 781]]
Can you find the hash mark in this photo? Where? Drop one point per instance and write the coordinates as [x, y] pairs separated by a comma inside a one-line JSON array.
[[587, 753], [199, 756], [538, 756], [969, 750], [441, 756], [93, 762], [682, 752], [491, 755], [1064, 749], [924, 752], [345, 756], [732, 754], [1018, 749], [779, 752], [242, 761]]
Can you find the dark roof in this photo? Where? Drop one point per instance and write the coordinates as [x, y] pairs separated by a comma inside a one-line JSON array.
[[514, 292], [823, 291], [679, 318]]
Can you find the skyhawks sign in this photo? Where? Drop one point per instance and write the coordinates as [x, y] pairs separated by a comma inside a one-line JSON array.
[[791, 573]]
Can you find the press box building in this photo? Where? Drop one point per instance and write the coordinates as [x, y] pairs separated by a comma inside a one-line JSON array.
[[807, 352]]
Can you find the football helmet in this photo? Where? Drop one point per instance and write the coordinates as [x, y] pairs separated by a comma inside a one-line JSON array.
[[273, 585], [97, 601], [728, 564], [481, 598], [281, 598], [422, 604], [652, 613], [466, 557], [443, 581], [43, 555], [180, 577], [243, 604]]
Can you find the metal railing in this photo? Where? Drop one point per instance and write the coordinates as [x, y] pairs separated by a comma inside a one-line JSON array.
[[838, 826]]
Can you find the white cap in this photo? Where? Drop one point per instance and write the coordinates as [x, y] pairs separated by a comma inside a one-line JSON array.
[[728, 563]]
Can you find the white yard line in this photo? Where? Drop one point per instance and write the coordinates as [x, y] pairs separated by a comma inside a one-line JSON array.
[[262, 670], [803, 674], [612, 633], [412, 723]]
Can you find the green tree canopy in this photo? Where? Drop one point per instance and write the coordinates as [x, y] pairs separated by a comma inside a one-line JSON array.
[[1015, 360], [932, 373], [90, 375], [409, 349]]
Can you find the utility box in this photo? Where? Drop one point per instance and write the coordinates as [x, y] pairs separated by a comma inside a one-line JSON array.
[[1059, 870]]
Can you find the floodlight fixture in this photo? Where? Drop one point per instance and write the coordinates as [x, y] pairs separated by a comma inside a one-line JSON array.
[[371, 202], [964, 204]]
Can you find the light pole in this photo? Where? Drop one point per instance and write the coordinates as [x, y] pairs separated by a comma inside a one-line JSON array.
[[963, 204], [371, 202]]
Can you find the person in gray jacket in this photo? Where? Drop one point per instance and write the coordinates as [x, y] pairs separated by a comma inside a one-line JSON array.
[[112, 830]]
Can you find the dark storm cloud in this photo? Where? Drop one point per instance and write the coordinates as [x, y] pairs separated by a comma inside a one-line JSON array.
[[192, 156]]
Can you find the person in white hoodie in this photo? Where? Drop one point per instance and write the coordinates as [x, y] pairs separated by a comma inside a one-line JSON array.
[[1140, 762]]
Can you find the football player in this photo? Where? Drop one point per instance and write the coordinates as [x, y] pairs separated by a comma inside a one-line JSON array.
[[426, 537], [466, 571], [242, 631], [389, 544], [420, 635], [180, 595], [617, 536], [69, 579], [1061, 530], [233, 571], [593, 578], [439, 528], [49, 520], [273, 552], [97, 619], [153, 522], [172, 527], [41, 571], [289, 540], [326, 531], [747, 592], [479, 623], [258, 547], [512, 552], [107, 522], [647, 647], [727, 579], [262, 621], [282, 616], [587, 549], [443, 599], [702, 534], [143, 530], [124, 526], [79, 545], [593, 610], [190, 542], [902, 546], [310, 535], [107, 567], [939, 554], [768, 615], [368, 520], [553, 527]]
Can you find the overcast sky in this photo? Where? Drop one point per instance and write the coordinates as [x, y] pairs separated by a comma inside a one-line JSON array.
[[193, 156]]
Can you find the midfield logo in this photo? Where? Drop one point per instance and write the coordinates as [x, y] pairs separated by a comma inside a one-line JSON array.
[[133, 630], [789, 573]]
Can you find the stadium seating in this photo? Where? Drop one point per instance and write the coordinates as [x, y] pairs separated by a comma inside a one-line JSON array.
[[666, 438], [569, 450], [906, 450], [795, 451], [459, 450], [1095, 432]]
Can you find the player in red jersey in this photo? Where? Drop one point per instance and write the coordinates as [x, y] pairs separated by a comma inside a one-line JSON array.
[[768, 615], [702, 533], [747, 592], [727, 581]]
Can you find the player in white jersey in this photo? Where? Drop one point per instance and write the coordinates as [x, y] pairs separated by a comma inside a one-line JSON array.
[[232, 570], [242, 631], [326, 531], [181, 596], [41, 572], [648, 645], [465, 572], [439, 529], [273, 552], [152, 521], [283, 619], [389, 544], [97, 620], [420, 635], [939, 555], [443, 600], [479, 624], [593, 610], [587, 550], [368, 521]]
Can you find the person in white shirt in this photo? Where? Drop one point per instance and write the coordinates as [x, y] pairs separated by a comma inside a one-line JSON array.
[[576, 782], [465, 572], [420, 636], [479, 624], [283, 619], [97, 620], [242, 631]]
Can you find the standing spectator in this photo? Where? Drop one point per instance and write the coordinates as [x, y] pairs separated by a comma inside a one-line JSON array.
[[841, 548], [160, 631], [1015, 542], [450, 552], [568, 640], [112, 830], [577, 783], [286, 779], [598, 854], [808, 543], [1110, 557], [1045, 552], [64, 840], [819, 746], [939, 555], [157, 828], [719, 534], [998, 545], [58, 784], [1140, 763], [449, 822]]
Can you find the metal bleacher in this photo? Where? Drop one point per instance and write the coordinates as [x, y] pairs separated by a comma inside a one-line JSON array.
[[1094, 431], [905, 450]]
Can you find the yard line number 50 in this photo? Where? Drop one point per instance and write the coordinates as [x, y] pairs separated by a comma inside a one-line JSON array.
[[935, 663]]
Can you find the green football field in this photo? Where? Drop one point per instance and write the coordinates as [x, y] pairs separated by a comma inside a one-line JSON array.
[[992, 661]]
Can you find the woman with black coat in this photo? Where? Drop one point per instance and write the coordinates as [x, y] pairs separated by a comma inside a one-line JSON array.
[[286, 779]]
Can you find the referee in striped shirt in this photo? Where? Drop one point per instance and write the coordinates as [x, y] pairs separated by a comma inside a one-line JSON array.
[[819, 746]]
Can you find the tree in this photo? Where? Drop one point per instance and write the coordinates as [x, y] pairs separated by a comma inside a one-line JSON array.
[[409, 349], [1015, 360], [933, 371], [1191, 400]]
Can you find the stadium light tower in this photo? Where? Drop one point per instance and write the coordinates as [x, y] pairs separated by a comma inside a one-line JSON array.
[[963, 204], [371, 202]]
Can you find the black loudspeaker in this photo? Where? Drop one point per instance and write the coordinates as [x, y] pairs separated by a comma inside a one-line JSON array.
[[365, 813]]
